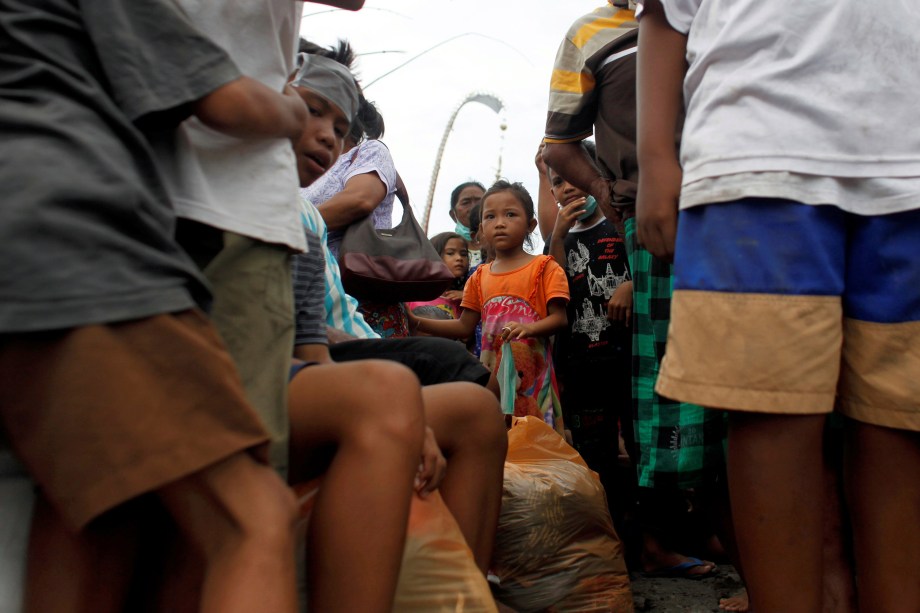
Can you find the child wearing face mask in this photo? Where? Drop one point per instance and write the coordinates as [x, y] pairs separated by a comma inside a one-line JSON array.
[[596, 346]]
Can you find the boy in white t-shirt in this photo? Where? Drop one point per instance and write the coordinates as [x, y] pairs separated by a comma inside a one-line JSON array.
[[236, 199], [797, 281]]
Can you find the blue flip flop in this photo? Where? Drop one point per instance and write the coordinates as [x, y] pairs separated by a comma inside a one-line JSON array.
[[679, 571]]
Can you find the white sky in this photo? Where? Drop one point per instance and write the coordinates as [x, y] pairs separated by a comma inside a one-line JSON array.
[[510, 55]]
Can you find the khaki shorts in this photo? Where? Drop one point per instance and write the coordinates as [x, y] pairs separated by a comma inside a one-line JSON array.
[[786, 308], [253, 310], [103, 413]]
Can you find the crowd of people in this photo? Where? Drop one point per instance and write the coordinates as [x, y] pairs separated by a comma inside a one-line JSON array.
[[178, 349]]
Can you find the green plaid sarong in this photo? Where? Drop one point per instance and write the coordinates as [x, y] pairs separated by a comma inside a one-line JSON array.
[[680, 445]]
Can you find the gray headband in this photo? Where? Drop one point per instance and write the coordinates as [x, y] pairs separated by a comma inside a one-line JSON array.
[[329, 79]]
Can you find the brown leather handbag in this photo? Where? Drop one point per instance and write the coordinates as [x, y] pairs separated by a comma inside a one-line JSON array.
[[397, 264]]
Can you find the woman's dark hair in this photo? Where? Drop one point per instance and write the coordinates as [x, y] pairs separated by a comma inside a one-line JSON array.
[[475, 218], [368, 122], [455, 195]]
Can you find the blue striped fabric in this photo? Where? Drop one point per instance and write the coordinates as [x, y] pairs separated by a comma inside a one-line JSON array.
[[341, 309]]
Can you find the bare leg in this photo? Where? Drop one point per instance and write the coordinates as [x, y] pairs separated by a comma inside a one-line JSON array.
[[240, 516], [470, 430], [883, 489], [776, 489], [367, 417], [839, 579]]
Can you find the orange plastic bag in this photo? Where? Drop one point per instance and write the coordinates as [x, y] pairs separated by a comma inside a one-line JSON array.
[[556, 548], [438, 572]]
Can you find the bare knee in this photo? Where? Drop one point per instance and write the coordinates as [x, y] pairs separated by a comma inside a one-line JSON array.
[[390, 404], [473, 413]]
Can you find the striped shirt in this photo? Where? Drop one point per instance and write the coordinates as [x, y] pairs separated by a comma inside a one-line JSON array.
[[591, 43], [307, 271], [340, 308]]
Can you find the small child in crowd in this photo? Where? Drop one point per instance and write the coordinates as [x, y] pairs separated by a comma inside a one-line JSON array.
[[520, 299], [454, 250], [594, 354]]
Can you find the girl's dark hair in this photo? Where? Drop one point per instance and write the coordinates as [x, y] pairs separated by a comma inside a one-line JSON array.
[[455, 195], [517, 190], [520, 193], [439, 241]]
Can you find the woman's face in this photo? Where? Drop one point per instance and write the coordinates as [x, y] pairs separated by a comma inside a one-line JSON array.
[[469, 197]]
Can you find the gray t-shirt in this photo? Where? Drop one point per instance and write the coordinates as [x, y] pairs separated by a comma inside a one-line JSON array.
[[86, 228]]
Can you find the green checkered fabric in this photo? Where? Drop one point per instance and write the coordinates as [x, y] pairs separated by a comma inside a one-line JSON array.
[[680, 445]]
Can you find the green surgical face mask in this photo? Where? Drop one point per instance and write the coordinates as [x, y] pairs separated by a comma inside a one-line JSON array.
[[463, 231], [590, 207]]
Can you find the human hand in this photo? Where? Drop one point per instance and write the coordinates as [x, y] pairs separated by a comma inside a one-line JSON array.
[[432, 467], [453, 294], [414, 321], [656, 207], [567, 217], [538, 159], [619, 307], [516, 330]]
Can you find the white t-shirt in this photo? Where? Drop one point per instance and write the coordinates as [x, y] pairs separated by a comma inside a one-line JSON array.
[[249, 187], [822, 88]]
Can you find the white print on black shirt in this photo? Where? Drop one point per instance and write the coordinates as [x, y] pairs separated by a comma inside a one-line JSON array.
[[590, 323], [606, 285], [577, 262]]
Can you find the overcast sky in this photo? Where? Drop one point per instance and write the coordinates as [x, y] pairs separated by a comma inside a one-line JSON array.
[[509, 54]]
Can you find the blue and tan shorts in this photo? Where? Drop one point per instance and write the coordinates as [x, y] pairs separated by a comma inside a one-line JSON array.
[[785, 308]]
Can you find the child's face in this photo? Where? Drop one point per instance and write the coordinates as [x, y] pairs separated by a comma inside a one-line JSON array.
[[563, 191], [505, 225], [469, 197], [321, 141], [456, 256]]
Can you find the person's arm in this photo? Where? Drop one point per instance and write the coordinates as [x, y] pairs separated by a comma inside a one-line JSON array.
[[661, 66], [571, 162], [461, 328], [246, 108], [546, 202], [555, 320], [619, 307], [401, 192], [360, 197]]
